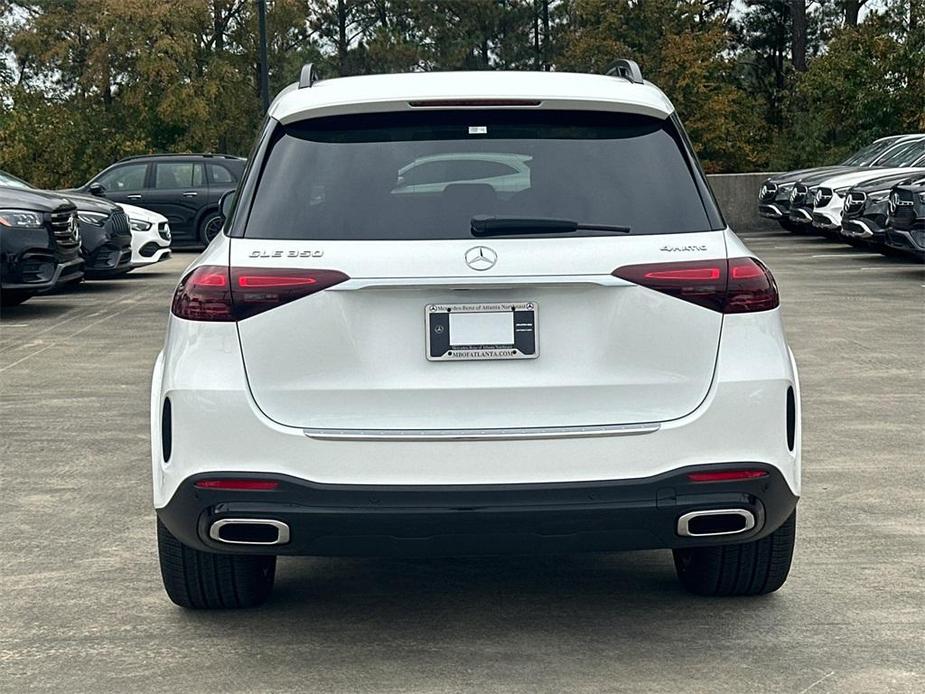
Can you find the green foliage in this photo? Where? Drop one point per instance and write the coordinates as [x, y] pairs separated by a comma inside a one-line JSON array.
[[86, 82]]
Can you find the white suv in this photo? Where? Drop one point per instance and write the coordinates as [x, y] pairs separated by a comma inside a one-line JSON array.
[[580, 364]]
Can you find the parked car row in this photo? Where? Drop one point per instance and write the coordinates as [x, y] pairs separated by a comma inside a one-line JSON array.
[[51, 239], [875, 198]]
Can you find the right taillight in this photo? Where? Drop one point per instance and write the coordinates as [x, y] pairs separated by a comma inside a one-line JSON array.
[[751, 287], [215, 293], [737, 285]]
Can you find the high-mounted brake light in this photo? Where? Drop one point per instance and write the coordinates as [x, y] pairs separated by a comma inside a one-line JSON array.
[[214, 293], [726, 475], [247, 485], [737, 285]]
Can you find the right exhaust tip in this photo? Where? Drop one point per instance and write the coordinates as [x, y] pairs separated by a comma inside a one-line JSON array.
[[249, 531], [716, 522]]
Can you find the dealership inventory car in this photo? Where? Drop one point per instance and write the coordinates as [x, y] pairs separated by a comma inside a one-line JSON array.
[[105, 237], [774, 196], [818, 200], [906, 229], [39, 243], [150, 236], [349, 370], [185, 188], [866, 210]]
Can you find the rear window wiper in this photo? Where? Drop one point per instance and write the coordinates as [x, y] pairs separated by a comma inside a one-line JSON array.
[[486, 225]]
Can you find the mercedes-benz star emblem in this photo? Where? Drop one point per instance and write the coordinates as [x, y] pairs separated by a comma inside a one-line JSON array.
[[481, 258], [74, 227]]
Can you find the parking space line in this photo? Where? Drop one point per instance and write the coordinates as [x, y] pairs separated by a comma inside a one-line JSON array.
[[131, 304], [847, 255]]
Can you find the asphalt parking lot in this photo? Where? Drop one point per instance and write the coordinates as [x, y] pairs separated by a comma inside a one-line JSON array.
[[83, 608]]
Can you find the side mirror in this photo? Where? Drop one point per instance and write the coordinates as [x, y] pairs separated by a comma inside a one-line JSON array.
[[97, 189], [226, 203]]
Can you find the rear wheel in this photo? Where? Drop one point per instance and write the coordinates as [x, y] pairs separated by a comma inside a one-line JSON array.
[[210, 227], [203, 580], [752, 568]]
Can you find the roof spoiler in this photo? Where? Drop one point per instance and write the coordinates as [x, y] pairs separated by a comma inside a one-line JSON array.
[[628, 69], [308, 76]]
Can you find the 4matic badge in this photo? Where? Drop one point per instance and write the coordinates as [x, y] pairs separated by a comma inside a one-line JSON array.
[[681, 249]]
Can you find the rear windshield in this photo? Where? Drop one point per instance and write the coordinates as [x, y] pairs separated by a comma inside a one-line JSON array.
[[424, 175]]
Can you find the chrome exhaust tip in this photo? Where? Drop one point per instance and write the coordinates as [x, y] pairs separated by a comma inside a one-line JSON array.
[[716, 522], [249, 531]]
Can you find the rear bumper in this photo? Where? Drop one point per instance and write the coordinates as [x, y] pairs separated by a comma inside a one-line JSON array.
[[363, 520]]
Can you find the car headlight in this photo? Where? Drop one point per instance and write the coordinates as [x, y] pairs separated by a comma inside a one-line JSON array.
[[139, 224], [24, 219], [97, 219], [841, 191], [922, 197], [878, 195]]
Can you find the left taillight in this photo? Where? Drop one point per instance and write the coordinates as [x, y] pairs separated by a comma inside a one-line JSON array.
[[215, 293], [737, 285]]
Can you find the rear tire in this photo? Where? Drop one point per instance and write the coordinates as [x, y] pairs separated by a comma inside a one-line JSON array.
[[203, 580], [752, 568], [210, 227]]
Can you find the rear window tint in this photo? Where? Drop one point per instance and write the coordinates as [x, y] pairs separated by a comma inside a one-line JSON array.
[[424, 175]]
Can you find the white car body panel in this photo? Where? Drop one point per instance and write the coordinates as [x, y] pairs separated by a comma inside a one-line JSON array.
[[141, 238], [202, 370]]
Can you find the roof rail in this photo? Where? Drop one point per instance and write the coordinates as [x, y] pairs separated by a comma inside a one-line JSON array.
[[308, 76], [181, 154], [628, 69]]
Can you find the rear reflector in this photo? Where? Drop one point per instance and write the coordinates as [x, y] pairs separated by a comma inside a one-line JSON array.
[[737, 285], [726, 475], [215, 293], [237, 484]]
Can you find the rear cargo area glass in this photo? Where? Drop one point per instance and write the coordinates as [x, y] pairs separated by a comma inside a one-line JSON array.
[[425, 174]]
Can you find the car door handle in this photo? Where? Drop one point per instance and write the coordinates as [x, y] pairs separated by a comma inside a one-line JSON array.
[[190, 194], [133, 196]]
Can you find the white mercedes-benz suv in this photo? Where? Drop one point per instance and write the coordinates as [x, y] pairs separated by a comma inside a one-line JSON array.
[[571, 364]]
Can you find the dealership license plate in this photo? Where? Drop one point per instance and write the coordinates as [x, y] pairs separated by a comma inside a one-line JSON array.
[[459, 332]]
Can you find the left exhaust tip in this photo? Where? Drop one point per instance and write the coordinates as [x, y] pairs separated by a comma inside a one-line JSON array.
[[715, 522]]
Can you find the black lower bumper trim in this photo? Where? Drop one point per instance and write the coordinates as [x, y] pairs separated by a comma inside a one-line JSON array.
[[349, 520]]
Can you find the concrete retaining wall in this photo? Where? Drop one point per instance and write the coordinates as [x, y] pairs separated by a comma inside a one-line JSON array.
[[737, 195]]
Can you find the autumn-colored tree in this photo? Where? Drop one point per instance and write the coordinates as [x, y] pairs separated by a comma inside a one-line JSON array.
[[85, 82]]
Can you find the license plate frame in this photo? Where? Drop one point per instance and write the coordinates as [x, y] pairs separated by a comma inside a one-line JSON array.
[[525, 344]]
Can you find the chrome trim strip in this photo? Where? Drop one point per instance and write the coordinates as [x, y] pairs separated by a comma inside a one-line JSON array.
[[770, 211], [481, 281], [510, 434], [282, 530], [684, 521]]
